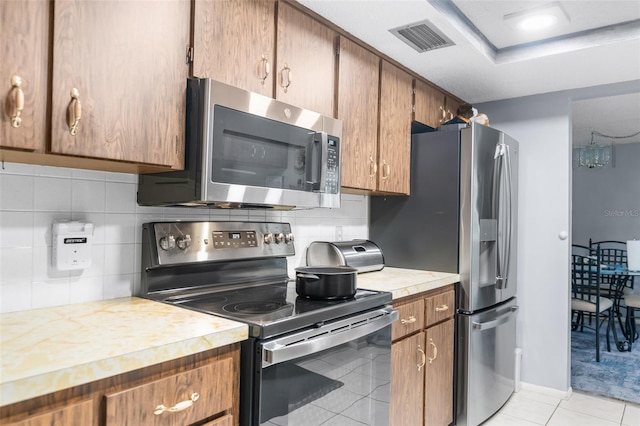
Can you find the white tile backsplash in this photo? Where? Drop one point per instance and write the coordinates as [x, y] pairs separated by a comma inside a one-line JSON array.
[[32, 197]]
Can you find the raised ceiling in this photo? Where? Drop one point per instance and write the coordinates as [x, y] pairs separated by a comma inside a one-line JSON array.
[[597, 44]]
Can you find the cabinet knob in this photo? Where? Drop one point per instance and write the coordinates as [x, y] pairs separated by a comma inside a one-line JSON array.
[[286, 77], [265, 70], [435, 351], [15, 102], [74, 112]]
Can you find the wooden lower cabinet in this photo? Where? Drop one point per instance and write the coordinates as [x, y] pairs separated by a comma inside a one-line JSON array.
[[201, 389], [422, 360]]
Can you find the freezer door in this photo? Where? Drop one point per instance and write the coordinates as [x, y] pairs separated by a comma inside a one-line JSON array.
[[485, 362], [488, 213]]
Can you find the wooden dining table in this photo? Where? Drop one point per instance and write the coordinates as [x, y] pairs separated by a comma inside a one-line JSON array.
[[620, 278]]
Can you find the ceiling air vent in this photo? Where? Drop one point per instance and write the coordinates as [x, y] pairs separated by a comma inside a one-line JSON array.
[[422, 36]]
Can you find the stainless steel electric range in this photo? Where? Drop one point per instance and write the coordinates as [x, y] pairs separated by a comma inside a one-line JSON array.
[[306, 361]]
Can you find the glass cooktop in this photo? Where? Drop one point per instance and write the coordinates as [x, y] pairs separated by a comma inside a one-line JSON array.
[[274, 309]]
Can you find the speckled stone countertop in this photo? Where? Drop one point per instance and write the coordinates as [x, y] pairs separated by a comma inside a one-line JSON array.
[[405, 282], [49, 349]]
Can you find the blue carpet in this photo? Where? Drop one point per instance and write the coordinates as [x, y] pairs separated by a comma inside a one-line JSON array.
[[617, 375]]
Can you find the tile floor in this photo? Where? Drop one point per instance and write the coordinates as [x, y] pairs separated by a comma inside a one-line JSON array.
[[529, 408]]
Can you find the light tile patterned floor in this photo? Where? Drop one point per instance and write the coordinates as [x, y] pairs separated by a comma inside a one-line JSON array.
[[529, 408]]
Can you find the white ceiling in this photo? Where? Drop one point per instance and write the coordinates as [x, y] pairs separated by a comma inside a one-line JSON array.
[[598, 44]]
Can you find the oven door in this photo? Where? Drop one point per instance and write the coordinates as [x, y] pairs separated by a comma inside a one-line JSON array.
[[339, 371]]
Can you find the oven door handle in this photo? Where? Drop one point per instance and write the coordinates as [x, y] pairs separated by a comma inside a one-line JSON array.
[[325, 337]]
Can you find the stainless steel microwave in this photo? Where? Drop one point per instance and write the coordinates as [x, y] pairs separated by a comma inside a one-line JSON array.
[[245, 150]]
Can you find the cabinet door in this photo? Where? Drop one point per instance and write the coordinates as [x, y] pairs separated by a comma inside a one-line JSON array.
[[126, 62], [358, 81], [451, 107], [394, 143], [407, 381], [233, 42], [80, 414], [429, 105], [24, 36], [306, 61], [438, 393]]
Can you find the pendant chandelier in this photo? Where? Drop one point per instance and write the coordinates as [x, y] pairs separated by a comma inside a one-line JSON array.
[[595, 155]]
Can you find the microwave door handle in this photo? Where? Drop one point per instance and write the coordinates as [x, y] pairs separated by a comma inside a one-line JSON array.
[[317, 156]]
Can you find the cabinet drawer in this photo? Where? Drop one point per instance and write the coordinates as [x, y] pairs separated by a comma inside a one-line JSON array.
[[187, 397], [222, 421], [411, 319], [440, 307]]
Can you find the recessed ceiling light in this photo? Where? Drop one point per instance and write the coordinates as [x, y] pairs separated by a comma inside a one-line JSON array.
[[537, 18]]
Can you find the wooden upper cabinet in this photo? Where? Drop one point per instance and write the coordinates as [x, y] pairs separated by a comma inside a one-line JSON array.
[[233, 43], [358, 81], [451, 105], [24, 37], [120, 67], [394, 142], [429, 106], [305, 69]]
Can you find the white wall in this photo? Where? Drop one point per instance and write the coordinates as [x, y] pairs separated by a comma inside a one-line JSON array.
[[606, 201], [542, 124], [32, 197]]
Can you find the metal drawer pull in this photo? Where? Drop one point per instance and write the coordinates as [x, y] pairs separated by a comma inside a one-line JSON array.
[[386, 170], [286, 77], [182, 405], [373, 166], [266, 69], [74, 111], [442, 308], [423, 358], [435, 351], [17, 96], [411, 320]]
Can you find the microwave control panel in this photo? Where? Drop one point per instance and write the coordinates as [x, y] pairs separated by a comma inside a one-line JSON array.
[[333, 170]]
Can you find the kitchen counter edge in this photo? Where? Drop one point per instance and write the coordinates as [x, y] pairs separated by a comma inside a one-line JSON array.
[[405, 282], [50, 349]]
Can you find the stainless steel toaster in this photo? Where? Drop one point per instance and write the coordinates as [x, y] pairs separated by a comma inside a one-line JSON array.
[[364, 255]]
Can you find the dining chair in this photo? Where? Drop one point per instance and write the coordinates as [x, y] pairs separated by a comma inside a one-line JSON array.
[[632, 301], [585, 293]]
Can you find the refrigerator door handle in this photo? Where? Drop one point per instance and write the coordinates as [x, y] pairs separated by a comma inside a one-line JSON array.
[[496, 322], [503, 174]]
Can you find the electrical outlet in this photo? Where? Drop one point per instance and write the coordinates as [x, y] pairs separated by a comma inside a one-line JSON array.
[[338, 233]]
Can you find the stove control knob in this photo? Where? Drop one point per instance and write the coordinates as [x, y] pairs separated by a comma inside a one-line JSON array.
[[288, 238], [183, 242], [279, 238], [168, 242], [268, 238]]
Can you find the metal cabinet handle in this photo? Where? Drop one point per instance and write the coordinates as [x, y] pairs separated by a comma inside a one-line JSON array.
[[411, 320], [182, 405], [373, 166], [74, 112], [15, 102], [423, 358], [266, 69], [435, 351], [443, 114], [386, 170], [286, 77], [442, 308]]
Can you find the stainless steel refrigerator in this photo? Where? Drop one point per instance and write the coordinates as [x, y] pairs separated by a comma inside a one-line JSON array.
[[461, 217]]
